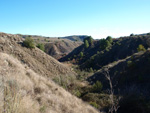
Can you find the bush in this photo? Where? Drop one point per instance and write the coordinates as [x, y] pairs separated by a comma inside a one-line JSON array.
[[41, 46], [29, 42], [77, 93], [104, 44], [109, 38], [132, 34], [97, 87], [86, 44], [118, 43], [131, 64], [91, 70], [141, 48], [94, 104], [89, 39], [81, 54]]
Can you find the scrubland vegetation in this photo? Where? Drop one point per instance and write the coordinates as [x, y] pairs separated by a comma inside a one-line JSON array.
[[119, 73], [24, 91], [110, 75]]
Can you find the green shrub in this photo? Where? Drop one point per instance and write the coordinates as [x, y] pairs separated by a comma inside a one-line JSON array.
[[102, 52], [130, 64], [118, 43], [94, 104], [141, 48], [97, 87], [43, 109], [89, 39], [41, 46], [81, 54], [91, 70], [104, 44], [29, 42], [77, 93], [109, 38], [107, 49], [86, 44], [98, 52]]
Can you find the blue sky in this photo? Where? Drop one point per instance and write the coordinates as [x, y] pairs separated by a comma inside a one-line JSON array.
[[55, 18]]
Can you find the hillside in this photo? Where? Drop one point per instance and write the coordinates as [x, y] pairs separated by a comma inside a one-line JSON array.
[[60, 47], [25, 81], [36, 59], [33, 93], [117, 72], [96, 57], [75, 37], [130, 79], [72, 38], [56, 47]]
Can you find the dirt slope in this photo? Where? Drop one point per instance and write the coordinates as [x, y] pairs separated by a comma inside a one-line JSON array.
[[60, 47], [24, 91], [36, 59], [57, 47]]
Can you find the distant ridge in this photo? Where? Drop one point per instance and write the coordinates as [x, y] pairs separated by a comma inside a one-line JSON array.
[[72, 38], [75, 37]]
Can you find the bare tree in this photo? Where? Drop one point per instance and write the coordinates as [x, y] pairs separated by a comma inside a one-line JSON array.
[[114, 102]]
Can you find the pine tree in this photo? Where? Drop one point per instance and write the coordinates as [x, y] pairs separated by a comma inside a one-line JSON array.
[[86, 43]]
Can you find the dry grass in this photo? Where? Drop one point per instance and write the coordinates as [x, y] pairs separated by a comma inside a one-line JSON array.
[[36, 59], [33, 93]]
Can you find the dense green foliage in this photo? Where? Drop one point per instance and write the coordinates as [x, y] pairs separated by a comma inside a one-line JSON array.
[[81, 54], [109, 38], [141, 48], [29, 42], [104, 44], [129, 73], [89, 39], [86, 44], [41, 46], [94, 104], [97, 87]]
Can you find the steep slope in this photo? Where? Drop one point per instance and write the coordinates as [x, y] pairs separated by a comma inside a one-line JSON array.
[[60, 47], [133, 70], [95, 57], [24, 91], [36, 59], [130, 79], [56, 47]]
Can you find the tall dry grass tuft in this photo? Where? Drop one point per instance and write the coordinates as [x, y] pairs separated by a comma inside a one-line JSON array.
[[24, 91], [12, 101]]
